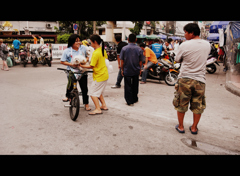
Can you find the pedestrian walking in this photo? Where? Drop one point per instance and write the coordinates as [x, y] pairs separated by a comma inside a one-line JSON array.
[[100, 74], [120, 45], [74, 49], [16, 44], [150, 60], [34, 39], [190, 88], [131, 58], [3, 54], [41, 40]]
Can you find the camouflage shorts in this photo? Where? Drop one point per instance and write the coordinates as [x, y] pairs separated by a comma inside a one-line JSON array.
[[189, 90]]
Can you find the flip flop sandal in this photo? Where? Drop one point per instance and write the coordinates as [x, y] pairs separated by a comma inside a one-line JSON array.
[[66, 100], [94, 113], [196, 132], [104, 109], [87, 109], [180, 131]]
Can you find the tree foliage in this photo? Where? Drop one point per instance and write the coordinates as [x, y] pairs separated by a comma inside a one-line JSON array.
[[137, 27], [85, 28]]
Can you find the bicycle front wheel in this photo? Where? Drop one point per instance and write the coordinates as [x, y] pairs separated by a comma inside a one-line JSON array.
[[75, 104]]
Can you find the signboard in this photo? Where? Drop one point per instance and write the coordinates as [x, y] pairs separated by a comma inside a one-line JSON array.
[[57, 50], [75, 27], [28, 38]]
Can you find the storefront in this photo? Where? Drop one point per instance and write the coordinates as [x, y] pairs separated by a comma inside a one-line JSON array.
[[28, 38]]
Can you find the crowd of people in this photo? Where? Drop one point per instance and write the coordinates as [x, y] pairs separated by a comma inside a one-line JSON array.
[[190, 88]]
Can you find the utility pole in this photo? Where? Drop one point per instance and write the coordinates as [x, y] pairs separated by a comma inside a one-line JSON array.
[[94, 27]]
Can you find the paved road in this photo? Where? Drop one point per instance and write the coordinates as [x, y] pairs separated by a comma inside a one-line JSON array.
[[34, 121]]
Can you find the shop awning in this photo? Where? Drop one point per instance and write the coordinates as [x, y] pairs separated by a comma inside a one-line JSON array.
[[213, 37]]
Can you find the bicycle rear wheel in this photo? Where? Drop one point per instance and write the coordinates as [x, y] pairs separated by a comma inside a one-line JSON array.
[[75, 104]]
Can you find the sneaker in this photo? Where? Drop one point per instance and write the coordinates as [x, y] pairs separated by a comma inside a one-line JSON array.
[[115, 86]]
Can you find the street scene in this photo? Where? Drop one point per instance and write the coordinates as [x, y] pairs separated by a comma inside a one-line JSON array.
[[35, 121], [132, 103]]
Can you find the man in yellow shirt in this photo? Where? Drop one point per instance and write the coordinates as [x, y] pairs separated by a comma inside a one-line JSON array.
[[150, 60]]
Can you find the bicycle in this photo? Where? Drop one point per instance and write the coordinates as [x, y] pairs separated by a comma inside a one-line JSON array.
[[74, 103]]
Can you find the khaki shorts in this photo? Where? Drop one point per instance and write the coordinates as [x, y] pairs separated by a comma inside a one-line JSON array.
[[189, 90], [97, 88]]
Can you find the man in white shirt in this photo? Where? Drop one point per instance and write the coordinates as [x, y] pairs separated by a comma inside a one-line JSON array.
[[41, 39], [190, 88]]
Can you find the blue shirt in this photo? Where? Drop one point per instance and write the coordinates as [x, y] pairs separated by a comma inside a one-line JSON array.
[[16, 44], [157, 49], [66, 57], [131, 54]]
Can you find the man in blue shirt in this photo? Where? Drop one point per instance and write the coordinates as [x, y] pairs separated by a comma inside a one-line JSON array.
[[16, 44], [156, 48], [131, 58]]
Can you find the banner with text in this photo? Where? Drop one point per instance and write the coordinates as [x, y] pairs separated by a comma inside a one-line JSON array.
[[57, 50]]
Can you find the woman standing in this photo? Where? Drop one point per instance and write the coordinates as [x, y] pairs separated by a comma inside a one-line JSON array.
[[75, 48], [3, 55], [100, 74]]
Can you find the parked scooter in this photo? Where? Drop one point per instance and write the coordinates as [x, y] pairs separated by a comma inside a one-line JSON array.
[[45, 57], [11, 55], [23, 56], [164, 70], [211, 61], [34, 59]]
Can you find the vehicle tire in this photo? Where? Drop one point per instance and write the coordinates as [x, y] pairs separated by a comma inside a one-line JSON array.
[[213, 68], [75, 106], [49, 63], [44, 61], [24, 63], [169, 81]]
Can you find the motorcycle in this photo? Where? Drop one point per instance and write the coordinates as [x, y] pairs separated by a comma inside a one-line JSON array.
[[164, 70], [211, 61], [23, 56], [45, 57], [34, 59], [111, 51]]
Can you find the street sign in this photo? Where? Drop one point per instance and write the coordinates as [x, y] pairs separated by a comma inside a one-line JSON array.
[[75, 27]]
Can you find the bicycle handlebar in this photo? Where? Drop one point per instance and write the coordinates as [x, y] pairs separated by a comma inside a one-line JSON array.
[[75, 72]]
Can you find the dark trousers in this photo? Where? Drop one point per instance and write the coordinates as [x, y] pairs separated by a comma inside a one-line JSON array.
[[119, 78], [84, 89], [131, 84]]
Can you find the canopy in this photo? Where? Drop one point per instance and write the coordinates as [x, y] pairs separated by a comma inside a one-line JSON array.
[[235, 29], [141, 36], [218, 25], [162, 36], [213, 37], [175, 38], [152, 37]]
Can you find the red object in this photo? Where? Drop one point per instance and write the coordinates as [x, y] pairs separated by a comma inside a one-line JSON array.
[[148, 22]]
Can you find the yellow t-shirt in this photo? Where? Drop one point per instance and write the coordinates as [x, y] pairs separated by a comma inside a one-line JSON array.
[[151, 55], [100, 71]]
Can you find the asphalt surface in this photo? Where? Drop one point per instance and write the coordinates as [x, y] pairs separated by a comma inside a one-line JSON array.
[[35, 121]]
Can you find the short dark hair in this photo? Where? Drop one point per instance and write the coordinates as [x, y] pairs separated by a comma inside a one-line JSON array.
[[118, 38], [142, 45], [72, 39], [156, 40], [132, 37], [192, 28]]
